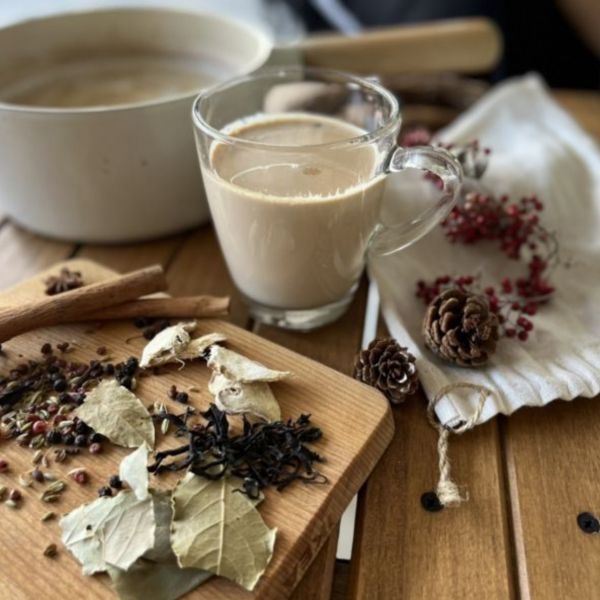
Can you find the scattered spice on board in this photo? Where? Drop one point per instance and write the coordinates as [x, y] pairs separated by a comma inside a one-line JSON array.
[[63, 282], [51, 550]]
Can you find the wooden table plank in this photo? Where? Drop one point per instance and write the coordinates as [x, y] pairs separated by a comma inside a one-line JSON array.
[[552, 460], [403, 551]]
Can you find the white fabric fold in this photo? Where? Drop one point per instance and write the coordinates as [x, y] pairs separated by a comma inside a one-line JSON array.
[[536, 147]]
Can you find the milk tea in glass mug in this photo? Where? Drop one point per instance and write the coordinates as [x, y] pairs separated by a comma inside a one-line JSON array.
[[294, 162]]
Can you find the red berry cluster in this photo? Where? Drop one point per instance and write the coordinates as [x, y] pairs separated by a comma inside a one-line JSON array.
[[516, 226]]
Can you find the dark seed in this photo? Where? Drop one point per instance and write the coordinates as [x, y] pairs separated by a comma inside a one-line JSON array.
[[430, 502], [81, 427], [141, 322], [101, 351], [96, 438], [63, 346], [115, 482], [149, 333], [588, 523], [46, 348], [173, 392], [68, 439], [182, 397], [80, 440], [105, 492], [109, 369], [60, 385], [126, 382], [37, 475], [53, 437]]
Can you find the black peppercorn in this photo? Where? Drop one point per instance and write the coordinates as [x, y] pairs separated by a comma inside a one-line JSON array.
[[46, 348], [115, 482], [68, 439], [80, 440], [60, 385], [105, 492], [53, 437], [95, 438], [65, 398], [81, 427], [182, 397], [126, 382], [131, 365], [109, 369]]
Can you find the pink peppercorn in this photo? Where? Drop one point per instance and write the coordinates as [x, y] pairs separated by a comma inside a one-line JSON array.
[[39, 427], [95, 448]]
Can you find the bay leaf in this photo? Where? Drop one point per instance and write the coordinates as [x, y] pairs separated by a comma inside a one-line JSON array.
[[129, 533], [133, 471], [147, 580], [165, 346], [198, 346], [219, 530], [237, 398], [157, 576], [115, 412], [82, 529], [239, 368], [163, 515]]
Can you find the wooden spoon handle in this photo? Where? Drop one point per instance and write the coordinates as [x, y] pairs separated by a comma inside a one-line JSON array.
[[176, 308], [70, 306], [458, 45]]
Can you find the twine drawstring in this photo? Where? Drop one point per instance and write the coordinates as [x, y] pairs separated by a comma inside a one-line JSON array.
[[447, 490]]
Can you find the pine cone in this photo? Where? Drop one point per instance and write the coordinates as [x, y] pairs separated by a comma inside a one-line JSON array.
[[460, 328], [389, 367]]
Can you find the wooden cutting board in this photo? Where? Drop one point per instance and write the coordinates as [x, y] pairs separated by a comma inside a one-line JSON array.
[[355, 419]]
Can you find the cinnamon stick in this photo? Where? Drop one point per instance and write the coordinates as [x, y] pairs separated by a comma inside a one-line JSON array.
[[175, 308], [70, 306]]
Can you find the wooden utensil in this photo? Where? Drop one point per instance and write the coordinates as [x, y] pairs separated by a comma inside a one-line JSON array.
[[69, 306], [176, 308], [458, 45]]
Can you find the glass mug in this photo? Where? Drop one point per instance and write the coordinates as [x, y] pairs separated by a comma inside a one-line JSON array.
[[294, 162]]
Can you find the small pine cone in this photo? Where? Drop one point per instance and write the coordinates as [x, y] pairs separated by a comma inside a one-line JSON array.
[[389, 367], [460, 328]]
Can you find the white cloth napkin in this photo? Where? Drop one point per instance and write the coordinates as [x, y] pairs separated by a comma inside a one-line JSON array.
[[536, 147]]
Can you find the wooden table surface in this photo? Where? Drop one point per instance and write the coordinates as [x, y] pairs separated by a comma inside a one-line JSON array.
[[529, 476]]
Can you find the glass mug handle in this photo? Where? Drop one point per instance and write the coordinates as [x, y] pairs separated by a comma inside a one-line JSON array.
[[389, 239]]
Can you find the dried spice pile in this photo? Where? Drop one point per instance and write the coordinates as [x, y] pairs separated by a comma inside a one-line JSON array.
[[159, 544], [38, 397]]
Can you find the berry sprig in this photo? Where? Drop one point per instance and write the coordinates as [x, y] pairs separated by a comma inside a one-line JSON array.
[[517, 229]]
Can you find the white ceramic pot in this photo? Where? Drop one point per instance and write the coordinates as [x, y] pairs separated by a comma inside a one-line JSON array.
[[127, 171], [113, 173]]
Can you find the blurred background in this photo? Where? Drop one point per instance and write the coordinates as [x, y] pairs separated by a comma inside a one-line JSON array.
[[558, 38]]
